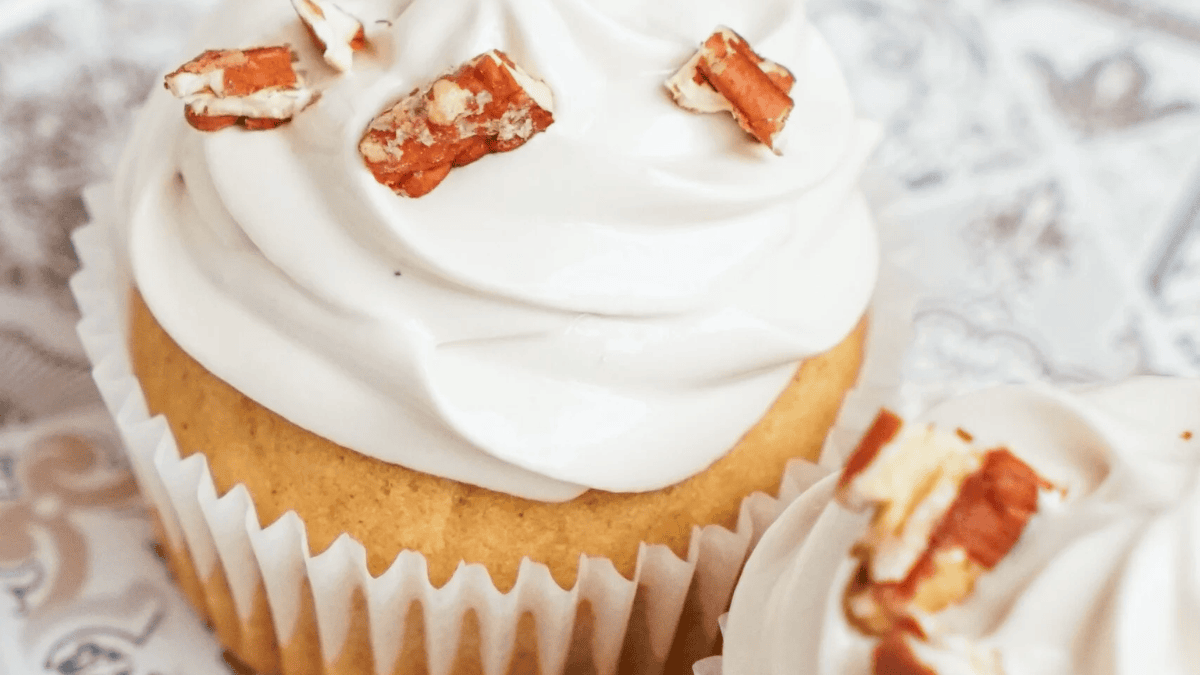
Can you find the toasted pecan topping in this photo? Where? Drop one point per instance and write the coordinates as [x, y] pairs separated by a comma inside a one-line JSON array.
[[944, 514], [336, 32], [992, 509], [256, 88], [487, 105], [885, 427], [726, 75], [894, 656]]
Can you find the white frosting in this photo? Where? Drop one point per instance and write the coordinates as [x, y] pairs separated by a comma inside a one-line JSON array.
[[610, 306], [1106, 581]]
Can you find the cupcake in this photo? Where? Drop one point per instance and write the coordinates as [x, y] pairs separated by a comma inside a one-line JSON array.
[[1022, 529], [473, 324]]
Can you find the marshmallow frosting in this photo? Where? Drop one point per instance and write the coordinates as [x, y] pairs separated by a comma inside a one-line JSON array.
[[1104, 581], [610, 306]]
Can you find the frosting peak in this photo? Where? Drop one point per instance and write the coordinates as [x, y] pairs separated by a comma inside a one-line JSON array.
[[610, 306], [1103, 581]]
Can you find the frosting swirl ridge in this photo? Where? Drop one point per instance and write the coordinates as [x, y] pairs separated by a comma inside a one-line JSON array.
[[610, 306]]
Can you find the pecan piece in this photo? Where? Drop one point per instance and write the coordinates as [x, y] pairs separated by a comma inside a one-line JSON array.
[[336, 32], [726, 75], [944, 514], [487, 105], [894, 656], [256, 88], [885, 427]]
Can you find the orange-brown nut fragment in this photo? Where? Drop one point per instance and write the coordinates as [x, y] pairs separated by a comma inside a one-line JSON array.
[[336, 32], [256, 88], [893, 656], [726, 75], [961, 512], [885, 427], [992, 509], [487, 105]]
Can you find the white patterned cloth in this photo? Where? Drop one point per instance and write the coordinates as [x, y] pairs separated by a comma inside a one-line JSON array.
[[1043, 157]]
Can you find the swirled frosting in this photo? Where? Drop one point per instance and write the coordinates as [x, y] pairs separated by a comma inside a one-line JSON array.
[[1103, 581], [610, 306]]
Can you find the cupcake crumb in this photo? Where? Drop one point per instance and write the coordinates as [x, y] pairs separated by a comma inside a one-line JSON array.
[[1187, 435]]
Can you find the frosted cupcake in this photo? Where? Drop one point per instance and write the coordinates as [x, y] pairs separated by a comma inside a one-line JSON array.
[[1076, 563], [554, 363]]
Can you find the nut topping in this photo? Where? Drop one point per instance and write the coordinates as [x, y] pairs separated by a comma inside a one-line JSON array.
[[727, 75], [944, 514], [487, 105], [256, 88], [894, 656], [337, 33]]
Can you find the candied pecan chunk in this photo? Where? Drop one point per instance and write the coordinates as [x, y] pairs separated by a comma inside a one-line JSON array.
[[487, 105], [944, 514], [256, 88], [726, 75]]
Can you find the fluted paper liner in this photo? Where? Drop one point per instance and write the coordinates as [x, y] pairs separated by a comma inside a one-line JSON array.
[[283, 609]]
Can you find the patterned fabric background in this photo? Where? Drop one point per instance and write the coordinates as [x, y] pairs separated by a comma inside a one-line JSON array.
[[1044, 156]]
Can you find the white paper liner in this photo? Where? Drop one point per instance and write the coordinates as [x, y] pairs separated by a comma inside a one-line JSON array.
[[672, 605]]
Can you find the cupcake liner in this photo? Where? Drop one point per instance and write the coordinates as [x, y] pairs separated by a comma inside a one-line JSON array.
[[283, 609]]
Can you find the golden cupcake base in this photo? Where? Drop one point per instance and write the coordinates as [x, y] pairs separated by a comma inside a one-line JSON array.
[[390, 508]]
